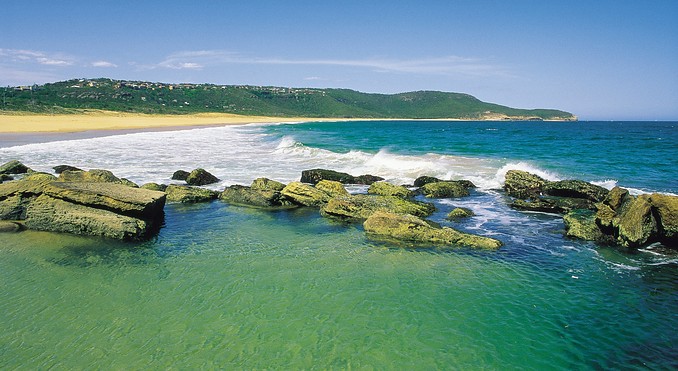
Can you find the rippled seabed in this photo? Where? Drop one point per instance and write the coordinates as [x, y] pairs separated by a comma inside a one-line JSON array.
[[250, 289]]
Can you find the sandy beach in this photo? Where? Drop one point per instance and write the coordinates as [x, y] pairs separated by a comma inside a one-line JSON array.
[[87, 120]]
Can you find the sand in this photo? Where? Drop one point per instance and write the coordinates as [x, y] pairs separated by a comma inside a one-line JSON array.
[[88, 120]]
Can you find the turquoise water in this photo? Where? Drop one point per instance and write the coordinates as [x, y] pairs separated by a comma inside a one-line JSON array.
[[227, 287]]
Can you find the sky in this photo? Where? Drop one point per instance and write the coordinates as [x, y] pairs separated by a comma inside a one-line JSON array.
[[601, 60]]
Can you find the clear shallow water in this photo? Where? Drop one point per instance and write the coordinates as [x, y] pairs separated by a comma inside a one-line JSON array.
[[235, 288]]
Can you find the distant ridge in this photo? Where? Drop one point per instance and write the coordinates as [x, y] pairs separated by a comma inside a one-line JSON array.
[[164, 98]]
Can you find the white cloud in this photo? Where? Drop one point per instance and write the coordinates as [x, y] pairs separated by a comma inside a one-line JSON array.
[[104, 64], [25, 56], [443, 65]]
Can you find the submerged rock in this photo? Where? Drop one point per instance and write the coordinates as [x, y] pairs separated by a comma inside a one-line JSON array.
[[445, 189], [14, 167], [9, 227], [360, 207], [188, 194], [409, 228], [388, 189], [316, 175], [200, 177]]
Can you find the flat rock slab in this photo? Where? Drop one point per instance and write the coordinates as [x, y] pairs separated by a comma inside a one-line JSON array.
[[136, 202]]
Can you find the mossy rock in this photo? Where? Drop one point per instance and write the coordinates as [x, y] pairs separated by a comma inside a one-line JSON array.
[[423, 180], [636, 224], [201, 177], [388, 189], [360, 207], [91, 176], [305, 194], [180, 175], [61, 168], [581, 224], [255, 198], [154, 187], [40, 177], [409, 228], [14, 167], [332, 188], [9, 227], [188, 194], [576, 189], [460, 213], [666, 207], [521, 184], [446, 189], [267, 184]]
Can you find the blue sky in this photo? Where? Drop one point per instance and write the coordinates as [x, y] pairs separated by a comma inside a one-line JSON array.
[[597, 59]]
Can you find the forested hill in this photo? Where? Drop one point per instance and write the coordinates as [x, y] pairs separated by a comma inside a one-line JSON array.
[[150, 97]]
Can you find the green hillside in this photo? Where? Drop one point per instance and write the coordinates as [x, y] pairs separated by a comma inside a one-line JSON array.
[[149, 97]]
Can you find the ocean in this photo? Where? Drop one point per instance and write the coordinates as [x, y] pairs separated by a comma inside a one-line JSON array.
[[236, 288]]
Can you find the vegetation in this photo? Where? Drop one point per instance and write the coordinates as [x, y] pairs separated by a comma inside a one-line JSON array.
[[148, 97]]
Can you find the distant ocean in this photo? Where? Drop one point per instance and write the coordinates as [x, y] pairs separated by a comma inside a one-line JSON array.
[[229, 287]]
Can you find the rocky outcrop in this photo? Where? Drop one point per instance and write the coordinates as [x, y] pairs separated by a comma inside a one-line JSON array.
[[423, 180], [14, 167], [446, 189], [409, 228], [15, 197], [576, 189], [523, 185], [96, 209], [582, 224], [360, 207], [316, 175], [180, 175], [304, 194], [188, 194], [200, 177], [332, 188], [554, 205], [459, 213], [262, 194], [93, 176], [61, 168], [154, 187], [388, 189]]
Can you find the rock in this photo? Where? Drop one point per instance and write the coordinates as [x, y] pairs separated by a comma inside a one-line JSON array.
[[5, 178], [316, 175], [388, 189], [360, 207], [154, 187], [305, 194], [460, 213], [118, 198], [332, 188], [446, 189], [582, 224], [13, 167], [200, 177], [576, 189], [666, 215], [129, 183], [94, 175], [9, 227], [17, 195], [187, 194], [409, 228], [616, 198], [180, 175], [257, 198], [267, 184], [636, 224], [555, 205], [423, 180], [56, 215], [521, 184], [61, 168], [39, 177]]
